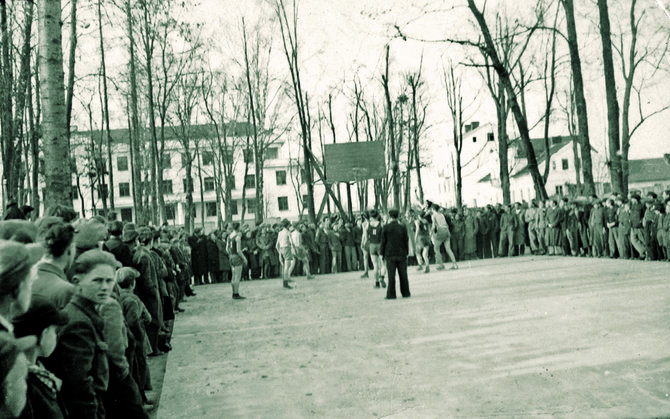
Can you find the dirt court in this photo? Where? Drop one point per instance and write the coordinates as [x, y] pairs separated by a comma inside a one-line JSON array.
[[530, 336]]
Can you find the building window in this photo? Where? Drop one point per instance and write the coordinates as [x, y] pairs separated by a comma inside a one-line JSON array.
[[207, 158], [248, 155], [127, 214], [231, 182], [305, 199], [171, 211], [210, 209], [474, 139], [490, 137], [272, 153], [564, 164], [184, 160], [559, 190], [233, 207], [228, 156], [282, 202], [302, 175], [103, 190], [186, 189], [167, 161], [250, 182], [553, 165], [251, 205], [208, 184], [167, 186], [124, 189], [281, 177], [122, 163]]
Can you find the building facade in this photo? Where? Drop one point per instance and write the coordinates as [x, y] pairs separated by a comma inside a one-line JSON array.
[[480, 168], [284, 191]]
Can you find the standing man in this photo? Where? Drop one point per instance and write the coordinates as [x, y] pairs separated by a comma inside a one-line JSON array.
[[440, 234], [284, 248], [395, 248], [637, 238]]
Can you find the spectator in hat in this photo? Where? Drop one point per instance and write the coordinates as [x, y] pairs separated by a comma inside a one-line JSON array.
[[26, 209], [137, 317], [129, 235], [623, 217], [51, 281], [115, 244], [147, 285], [509, 223], [13, 212], [637, 238], [66, 213], [122, 398], [198, 243], [42, 320], [80, 358], [16, 262], [13, 373], [21, 231]]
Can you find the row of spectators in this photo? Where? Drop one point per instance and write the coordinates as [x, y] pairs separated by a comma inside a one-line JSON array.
[[616, 227], [83, 303]]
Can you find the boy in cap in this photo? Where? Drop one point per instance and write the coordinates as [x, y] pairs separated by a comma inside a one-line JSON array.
[[42, 321], [137, 317], [16, 262]]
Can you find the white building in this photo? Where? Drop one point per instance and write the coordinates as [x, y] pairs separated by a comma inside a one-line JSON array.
[[284, 191], [480, 168]]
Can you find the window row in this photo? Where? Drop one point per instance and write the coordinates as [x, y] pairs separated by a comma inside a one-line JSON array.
[[208, 184], [206, 158]]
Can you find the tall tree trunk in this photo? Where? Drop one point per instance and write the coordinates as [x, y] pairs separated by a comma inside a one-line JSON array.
[[612, 101], [57, 175], [134, 131], [521, 121], [391, 134], [34, 147], [202, 189], [21, 91], [156, 166], [580, 99], [188, 216], [501, 115], [258, 159], [415, 131], [11, 153], [103, 68]]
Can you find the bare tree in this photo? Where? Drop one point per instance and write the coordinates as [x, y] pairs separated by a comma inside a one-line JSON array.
[[395, 165], [649, 54], [418, 119], [612, 100], [489, 48], [54, 124], [289, 33], [453, 86]]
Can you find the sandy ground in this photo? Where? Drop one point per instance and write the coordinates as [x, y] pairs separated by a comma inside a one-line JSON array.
[[531, 336]]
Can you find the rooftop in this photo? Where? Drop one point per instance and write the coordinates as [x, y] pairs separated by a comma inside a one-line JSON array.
[[200, 131], [648, 170]]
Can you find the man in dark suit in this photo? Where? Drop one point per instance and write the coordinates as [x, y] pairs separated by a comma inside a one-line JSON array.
[[394, 248]]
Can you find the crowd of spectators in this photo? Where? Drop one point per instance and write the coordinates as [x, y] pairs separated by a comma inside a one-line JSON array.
[[85, 302], [635, 227]]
